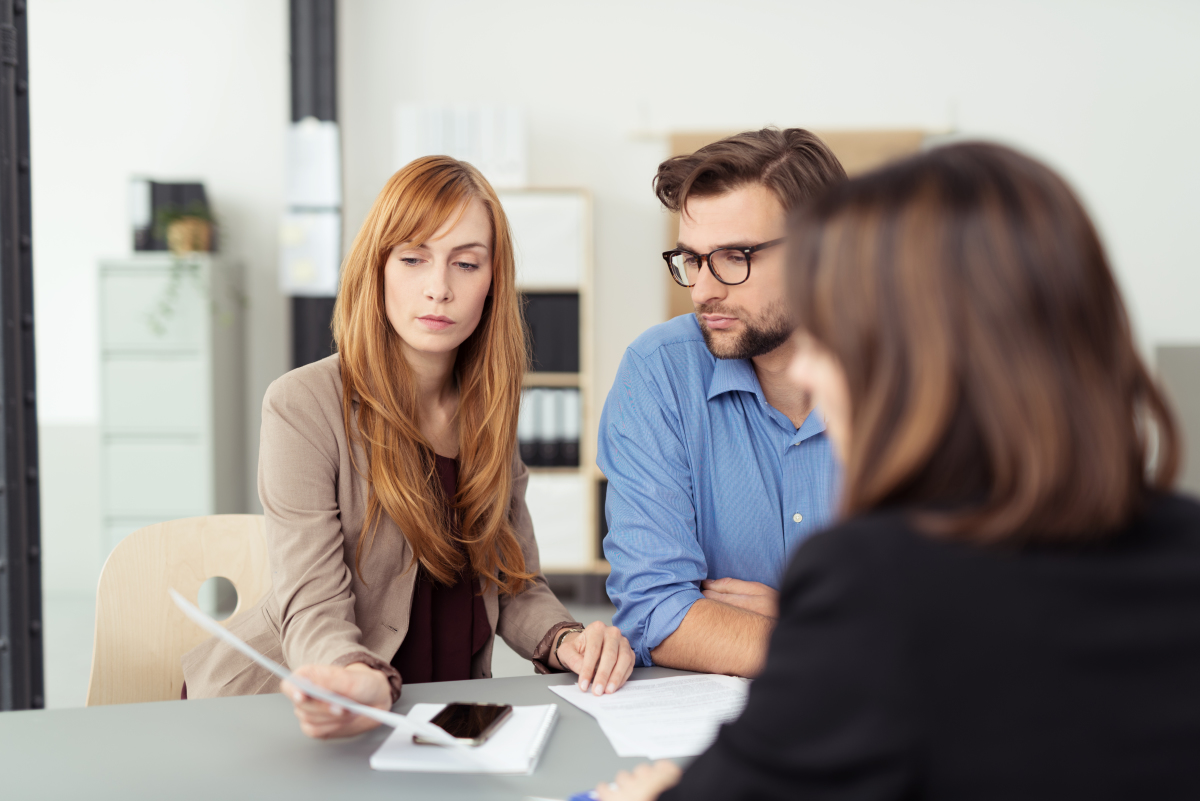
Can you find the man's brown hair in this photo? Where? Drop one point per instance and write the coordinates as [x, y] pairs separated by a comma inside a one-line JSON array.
[[793, 163], [994, 384]]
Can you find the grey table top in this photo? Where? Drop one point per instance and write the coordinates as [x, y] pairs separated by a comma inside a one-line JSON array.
[[251, 747]]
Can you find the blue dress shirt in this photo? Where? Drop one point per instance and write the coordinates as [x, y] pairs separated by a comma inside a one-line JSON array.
[[705, 480]]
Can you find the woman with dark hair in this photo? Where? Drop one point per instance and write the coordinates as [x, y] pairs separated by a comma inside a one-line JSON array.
[[1010, 606]]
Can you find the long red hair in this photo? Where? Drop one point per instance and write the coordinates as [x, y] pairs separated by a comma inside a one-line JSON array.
[[414, 203]]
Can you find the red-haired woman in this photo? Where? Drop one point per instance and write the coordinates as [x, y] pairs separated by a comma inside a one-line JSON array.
[[1010, 607], [398, 535]]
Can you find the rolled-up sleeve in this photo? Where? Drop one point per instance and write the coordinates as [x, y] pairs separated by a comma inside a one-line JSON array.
[[656, 558]]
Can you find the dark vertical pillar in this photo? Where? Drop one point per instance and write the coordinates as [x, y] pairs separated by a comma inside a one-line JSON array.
[[21, 673], [314, 94], [312, 337]]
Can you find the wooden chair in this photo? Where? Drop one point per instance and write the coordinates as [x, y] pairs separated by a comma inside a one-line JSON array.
[[140, 633]]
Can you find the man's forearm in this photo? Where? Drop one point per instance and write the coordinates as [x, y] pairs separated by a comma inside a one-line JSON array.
[[717, 638]]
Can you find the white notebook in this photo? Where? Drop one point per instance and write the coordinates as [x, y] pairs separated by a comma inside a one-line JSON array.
[[514, 748]]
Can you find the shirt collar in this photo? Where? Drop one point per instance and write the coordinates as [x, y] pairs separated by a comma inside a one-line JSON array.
[[813, 424], [732, 375]]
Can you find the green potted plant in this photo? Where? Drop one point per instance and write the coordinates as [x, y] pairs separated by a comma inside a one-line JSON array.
[[186, 229]]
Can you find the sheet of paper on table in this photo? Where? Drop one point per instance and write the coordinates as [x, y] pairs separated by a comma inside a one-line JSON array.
[[659, 718]]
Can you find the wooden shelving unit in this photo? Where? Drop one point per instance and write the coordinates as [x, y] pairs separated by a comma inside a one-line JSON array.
[[552, 232], [537, 378]]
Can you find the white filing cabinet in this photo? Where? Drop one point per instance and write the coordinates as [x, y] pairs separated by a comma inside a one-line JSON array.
[[171, 391]]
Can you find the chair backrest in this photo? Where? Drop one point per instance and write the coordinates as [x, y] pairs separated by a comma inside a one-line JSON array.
[[140, 633]]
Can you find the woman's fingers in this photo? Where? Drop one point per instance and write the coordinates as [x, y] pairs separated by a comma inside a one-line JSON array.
[[608, 791], [610, 651], [318, 714], [324, 725], [667, 773], [290, 691], [312, 728], [644, 784], [341, 728], [319, 710], [623, 669], [324, 720], [315, 710], [624, 782], [588, 645], [306, 705], [602, 658]]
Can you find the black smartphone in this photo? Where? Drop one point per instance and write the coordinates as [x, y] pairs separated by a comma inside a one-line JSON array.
[[470, 724]]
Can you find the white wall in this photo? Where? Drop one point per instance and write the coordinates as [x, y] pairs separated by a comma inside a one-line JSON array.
[[1106, 92], [168, 89], [164, 89]]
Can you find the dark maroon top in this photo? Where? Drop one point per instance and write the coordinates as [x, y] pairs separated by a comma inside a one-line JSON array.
[[448, 625]]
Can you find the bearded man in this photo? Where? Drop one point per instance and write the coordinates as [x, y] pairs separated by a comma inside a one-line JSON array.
[[718, 465]]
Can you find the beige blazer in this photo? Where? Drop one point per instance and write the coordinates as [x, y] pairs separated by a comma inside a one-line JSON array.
[[319, 610]]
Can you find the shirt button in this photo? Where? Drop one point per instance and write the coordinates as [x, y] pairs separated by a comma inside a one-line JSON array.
[[796, 518]]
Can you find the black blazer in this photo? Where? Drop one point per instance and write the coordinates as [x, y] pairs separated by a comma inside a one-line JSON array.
[[908, 668]]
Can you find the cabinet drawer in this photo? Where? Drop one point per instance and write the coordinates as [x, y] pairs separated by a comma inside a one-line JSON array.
[[149, 394], [153, 310], [146, 477]]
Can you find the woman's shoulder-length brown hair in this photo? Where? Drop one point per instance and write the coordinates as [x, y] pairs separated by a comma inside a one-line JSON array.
[[994, 382], [379, 398]]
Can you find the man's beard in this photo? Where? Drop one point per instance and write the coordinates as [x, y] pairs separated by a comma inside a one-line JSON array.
[[768, 332]]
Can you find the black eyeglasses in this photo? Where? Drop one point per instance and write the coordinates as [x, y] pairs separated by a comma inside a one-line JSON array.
[[730, 266]]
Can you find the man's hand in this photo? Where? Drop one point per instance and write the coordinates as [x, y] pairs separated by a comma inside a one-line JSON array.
[[356, 681], [748, 595], [600, 655]]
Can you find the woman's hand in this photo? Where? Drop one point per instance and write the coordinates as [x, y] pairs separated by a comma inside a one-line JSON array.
[[356, 681], [600, 655], [644, 784]]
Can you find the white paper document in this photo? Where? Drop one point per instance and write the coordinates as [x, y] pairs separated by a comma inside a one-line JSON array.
[[659, 718], [514, 748], [398, 722]]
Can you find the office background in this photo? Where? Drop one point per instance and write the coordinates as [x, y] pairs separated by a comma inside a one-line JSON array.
[[1106, 92]]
